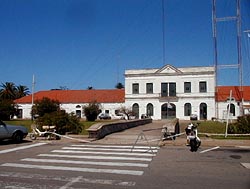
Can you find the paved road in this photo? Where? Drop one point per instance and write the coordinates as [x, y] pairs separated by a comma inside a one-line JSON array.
[[109, 163], [74, 165]]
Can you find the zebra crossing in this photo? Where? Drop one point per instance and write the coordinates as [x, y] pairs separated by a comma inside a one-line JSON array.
[[89, 158]]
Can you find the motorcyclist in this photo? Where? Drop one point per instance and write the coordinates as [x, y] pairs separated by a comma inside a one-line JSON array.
[[188, 130]]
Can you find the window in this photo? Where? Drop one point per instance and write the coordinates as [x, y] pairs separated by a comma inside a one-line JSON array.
[[168, 89], [19, 113], [187, 109], [135, 110], [203, 86], [187, 87], [164, 89], [232, 99], [172, 89], [203, 111], [150, 109], [135, 88], [232, 109], [78, 113], [149, 88], [117, 112]]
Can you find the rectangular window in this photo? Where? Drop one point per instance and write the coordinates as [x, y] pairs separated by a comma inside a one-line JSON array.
[[149, 88], [172, 89], [187, 87], [135, 88], [164, 89], [203, 86]]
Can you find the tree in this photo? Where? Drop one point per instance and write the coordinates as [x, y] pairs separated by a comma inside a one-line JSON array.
[[8, 91], [49, 113], [11, 91], [91, 111], [7, 109], [64, 122], [119, 86], [45, 105], [128, 112], [21, 91]]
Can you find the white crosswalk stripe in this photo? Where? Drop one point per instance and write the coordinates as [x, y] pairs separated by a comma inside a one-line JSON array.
[[112, 159], [115, 146], [97, 157], [63, 168], [87, 162], [109, 149], [102, 153]]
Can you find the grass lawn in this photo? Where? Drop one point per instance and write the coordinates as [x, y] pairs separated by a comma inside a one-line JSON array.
[[206, 126], [27, 124], [212, 127]]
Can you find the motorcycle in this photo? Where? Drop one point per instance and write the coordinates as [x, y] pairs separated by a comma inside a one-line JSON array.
[[192, 137], [49, 133]]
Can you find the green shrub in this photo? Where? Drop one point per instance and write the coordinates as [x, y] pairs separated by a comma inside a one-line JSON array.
[[44, 106], [91, 111], [63, 121], [242, 126]]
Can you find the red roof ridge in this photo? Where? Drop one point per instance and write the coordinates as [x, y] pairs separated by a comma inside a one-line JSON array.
[[78, 96], [223, 93]]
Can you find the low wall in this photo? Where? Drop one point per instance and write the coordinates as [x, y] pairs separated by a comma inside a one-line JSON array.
[[100, 130]]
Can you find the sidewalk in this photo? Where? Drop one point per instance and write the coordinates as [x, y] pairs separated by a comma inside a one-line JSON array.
[[151, 133]]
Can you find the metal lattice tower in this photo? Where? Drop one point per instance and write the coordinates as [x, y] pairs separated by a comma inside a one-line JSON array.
[[217, 64]]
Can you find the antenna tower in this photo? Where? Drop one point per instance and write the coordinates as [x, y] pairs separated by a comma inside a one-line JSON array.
[[217, 64]]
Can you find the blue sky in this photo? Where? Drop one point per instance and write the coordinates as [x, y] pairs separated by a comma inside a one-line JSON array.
[[81, 43]]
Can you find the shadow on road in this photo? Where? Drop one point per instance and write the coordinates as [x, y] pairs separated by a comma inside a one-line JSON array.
[[9, 142]]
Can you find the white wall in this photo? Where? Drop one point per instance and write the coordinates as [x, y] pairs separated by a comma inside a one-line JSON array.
[[70, 107], [142, 77]]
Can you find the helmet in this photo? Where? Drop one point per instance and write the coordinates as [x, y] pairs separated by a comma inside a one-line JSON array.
[[190, 125]]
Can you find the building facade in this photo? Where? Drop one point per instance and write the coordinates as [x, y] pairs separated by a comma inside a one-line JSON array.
[[238, 104], [73, 101], [170, 92], [163, 93]]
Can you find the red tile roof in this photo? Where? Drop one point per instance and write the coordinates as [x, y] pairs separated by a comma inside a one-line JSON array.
[[78, 96], [223, 93], [118, 95]]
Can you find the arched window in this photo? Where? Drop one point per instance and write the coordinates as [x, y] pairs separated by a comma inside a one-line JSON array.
[[150, 109], [135, 110], [168, 110], [79, 113], [203, 111], [232, 109], [187, 109]]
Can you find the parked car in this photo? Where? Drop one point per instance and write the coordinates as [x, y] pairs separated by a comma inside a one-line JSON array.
[[144, 116], [119, 116], [12, 132], [104, 116], [193, 117]]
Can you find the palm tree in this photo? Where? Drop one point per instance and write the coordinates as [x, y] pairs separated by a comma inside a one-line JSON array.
[[119, 86], [8, 91], [21, 91]]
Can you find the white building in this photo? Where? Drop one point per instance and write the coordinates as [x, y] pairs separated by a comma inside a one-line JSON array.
[[171, 92], [240, 101], [110, 101], [161, 93]]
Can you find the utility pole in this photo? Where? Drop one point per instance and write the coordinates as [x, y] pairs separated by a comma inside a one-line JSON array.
[[32, 97]]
